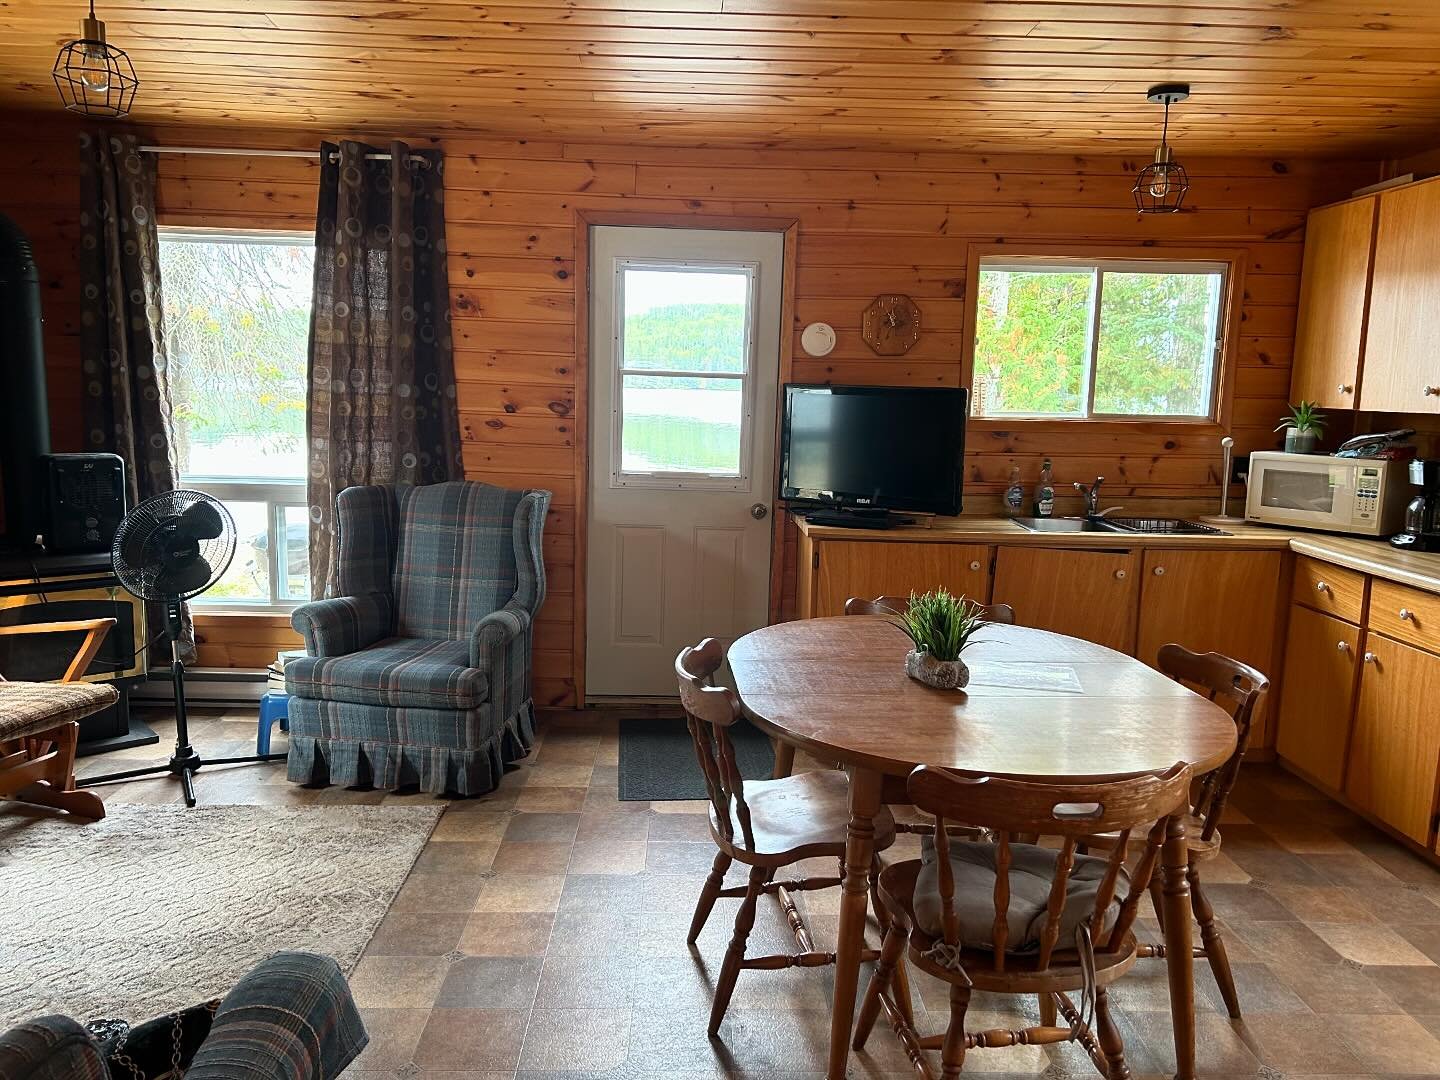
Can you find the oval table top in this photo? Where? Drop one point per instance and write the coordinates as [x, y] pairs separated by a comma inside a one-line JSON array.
[[1038, 705]]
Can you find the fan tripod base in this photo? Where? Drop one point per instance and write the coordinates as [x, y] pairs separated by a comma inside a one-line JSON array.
[[184, 763]]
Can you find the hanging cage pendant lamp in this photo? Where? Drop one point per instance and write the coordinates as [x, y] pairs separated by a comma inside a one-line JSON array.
[[93, 76], [1160, 186]]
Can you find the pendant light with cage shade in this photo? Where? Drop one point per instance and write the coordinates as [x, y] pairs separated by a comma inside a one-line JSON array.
[[1161, 185], [93, 76]]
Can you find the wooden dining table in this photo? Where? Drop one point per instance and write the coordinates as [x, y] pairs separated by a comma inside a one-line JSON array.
[[1040, 706]]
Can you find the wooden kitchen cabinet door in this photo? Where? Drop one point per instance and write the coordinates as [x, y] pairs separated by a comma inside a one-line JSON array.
[[1395, 749], [1334, 297], [847, 568], [1211, 601], [1402, 343], [1317, 696], [1086, 594]]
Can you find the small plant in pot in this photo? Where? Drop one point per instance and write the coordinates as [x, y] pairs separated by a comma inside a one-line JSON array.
[[1303, 428], [941, 626]]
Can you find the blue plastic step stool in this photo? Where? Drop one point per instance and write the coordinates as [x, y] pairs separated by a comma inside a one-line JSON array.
[[273, 706]]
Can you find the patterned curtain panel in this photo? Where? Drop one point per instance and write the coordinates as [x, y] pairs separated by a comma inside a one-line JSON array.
[[122, 330], [381, 405]]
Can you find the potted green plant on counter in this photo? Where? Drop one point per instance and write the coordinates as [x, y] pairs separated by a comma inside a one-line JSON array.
[[941, 627], [1303, 428]]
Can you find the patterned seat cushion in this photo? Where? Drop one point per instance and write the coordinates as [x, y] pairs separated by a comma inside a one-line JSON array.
[[413, 672], [28, 708]]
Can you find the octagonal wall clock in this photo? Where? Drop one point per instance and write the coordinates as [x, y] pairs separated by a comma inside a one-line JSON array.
[[891, 325]]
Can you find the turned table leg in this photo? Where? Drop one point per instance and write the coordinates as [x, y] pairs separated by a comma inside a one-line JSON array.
[[854, 903], [1179, 960]]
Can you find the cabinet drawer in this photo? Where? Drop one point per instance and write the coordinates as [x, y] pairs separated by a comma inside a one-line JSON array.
[[1331, 589], [1405, 614]]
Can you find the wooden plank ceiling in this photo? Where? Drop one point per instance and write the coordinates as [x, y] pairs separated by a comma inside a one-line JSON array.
[[1272, 77]]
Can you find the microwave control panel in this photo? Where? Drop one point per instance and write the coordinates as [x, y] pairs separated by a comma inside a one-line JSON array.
[[1367, 494]]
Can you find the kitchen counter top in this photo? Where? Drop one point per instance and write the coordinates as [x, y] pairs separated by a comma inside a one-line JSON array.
[[1420, 570]]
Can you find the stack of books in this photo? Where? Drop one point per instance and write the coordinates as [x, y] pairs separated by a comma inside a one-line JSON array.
[[275, 676]]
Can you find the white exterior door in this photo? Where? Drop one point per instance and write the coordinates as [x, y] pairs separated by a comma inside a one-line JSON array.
[[684, 365]]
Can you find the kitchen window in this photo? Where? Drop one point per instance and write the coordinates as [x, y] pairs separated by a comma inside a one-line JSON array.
[[1061, 338], [237, 327]]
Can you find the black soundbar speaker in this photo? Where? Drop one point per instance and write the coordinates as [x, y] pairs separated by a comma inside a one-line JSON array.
[[83, 500]]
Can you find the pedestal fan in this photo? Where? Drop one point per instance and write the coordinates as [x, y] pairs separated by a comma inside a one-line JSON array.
[[167, 550]]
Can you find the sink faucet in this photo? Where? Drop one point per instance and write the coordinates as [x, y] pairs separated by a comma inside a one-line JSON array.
[[1092, 496]]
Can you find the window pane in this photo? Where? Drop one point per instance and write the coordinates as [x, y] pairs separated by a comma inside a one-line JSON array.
[[680, 425], [1157, 344], [237, 326], [295, 554], [1032, 341], [684, 320], [248, 579]]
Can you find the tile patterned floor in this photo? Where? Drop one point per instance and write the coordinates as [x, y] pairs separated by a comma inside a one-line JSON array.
[[542, 935]]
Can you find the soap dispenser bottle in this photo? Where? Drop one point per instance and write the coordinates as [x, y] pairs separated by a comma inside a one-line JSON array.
[[1045, 492], [1015, 493]]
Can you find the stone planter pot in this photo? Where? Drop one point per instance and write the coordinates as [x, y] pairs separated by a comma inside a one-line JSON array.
[[941, 674], [1299, 442]]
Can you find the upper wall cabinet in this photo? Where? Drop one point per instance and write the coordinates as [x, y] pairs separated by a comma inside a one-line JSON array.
[[1401, 372], [1334, 294]]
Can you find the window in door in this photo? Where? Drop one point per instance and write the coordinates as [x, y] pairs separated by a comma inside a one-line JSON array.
[[683, 394], [237, 326], [1075, 338]]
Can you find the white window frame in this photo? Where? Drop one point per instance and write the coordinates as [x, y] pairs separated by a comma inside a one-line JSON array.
[[277, 495], [1099, 267], [620, 477]]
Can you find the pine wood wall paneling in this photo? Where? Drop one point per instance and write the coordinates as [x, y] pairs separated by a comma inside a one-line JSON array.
[[513, 244]]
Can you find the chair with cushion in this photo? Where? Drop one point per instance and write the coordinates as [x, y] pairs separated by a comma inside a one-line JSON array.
[[763, 824], [418, 667], [39, 724], [1013, 918]]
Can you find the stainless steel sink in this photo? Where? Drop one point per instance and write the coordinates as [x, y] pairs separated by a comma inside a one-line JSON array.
[[1064, 524], [1147, 526]]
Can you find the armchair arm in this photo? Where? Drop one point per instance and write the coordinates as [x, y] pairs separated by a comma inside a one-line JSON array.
[[343, 624], [494, 634], [95, 631], [290, 1018]]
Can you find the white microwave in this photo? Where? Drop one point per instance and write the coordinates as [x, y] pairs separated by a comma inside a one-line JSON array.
[[1365, 496]]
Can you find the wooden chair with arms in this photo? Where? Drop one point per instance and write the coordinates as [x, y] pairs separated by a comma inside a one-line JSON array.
[[1012, 918], [1239, 689], [39, 725], [763, 824]]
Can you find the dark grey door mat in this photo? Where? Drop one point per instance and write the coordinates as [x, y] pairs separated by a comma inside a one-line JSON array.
[[657, 759]]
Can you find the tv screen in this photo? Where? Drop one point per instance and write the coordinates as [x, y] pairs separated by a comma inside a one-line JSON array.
[[892, 447]]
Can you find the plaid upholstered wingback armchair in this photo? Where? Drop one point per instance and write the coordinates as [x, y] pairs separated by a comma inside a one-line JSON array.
[[418, 668]]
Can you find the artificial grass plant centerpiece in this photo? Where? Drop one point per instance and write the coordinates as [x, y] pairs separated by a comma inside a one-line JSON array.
[[941, 626]]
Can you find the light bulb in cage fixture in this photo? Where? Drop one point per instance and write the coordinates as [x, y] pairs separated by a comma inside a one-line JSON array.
[[1161, 185], [93, 76]]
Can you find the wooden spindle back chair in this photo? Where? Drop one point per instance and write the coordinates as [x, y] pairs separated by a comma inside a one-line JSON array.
[[774, 824], [1238, 689], [1086, 956], [895, 605]]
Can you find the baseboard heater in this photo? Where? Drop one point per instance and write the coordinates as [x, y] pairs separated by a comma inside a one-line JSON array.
[[205, 687]]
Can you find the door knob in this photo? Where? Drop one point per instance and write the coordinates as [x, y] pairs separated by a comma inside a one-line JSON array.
[[1432, 391], [1342, 646], [759, 510], [1406, 613], [1119, 575], [1370, 658], [1320, 586], [1159, 571], [1343, 388], [974, 564]]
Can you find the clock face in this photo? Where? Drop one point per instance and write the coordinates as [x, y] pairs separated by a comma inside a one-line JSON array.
[[891, 324]]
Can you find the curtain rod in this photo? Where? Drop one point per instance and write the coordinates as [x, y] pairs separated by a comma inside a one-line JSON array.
[[229, 151]]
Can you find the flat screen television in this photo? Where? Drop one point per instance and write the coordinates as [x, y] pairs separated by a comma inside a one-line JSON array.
[[887, 447]]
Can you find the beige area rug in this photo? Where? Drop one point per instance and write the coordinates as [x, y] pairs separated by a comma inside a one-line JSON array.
[[156, 908]]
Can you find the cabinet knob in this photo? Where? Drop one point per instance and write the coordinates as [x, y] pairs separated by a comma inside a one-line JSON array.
[[1370, 658], [1159, 571], [1406, 613], [1321, 587], [1432, 391], [1119, 575], [1344, 388], [1342, 646], [974, 564]]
